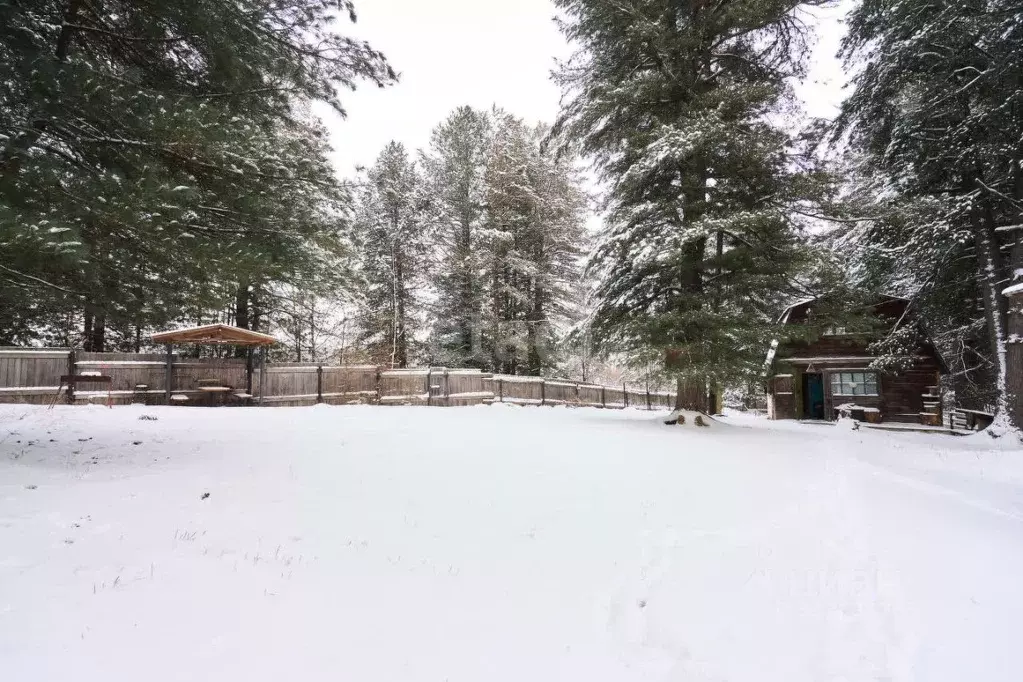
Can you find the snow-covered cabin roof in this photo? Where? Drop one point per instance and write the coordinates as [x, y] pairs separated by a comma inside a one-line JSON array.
[[785, 315], [215, 334], [882, 299]]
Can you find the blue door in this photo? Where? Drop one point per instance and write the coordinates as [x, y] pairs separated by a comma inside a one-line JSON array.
[[813, 396]]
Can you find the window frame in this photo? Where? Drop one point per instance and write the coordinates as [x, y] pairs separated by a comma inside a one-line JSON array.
[[850, 380]]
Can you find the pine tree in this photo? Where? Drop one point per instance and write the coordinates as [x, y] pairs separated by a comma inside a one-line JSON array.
[[556, 244], [681, 106], [937, 109], [391, 224], [510, 196], [454, 167], [155, 157], [535, 230], [508, 221]]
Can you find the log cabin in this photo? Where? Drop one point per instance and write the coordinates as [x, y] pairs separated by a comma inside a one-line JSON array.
[[818, 378]]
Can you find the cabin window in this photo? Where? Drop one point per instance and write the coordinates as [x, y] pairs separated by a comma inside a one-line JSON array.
[[854, 383], [835, 331]]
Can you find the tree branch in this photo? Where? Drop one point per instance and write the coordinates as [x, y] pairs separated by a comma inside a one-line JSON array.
[[38, 280]]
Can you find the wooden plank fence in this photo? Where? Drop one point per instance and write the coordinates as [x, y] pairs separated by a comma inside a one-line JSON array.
[[32, 375]]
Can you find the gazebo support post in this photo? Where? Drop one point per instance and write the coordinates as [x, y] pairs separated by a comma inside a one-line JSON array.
[[248, 371], [170, 372]]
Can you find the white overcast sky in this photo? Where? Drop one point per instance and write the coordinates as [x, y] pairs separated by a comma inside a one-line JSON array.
[[484, 52]]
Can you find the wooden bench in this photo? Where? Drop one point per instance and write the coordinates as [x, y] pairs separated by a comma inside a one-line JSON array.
[[970, 420], [71, 380], [861, 413]]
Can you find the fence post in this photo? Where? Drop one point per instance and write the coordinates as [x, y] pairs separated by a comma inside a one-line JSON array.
[[625, 394], [319, 384], [429, 387], [543, 392], [577, 393], [170, 373], [447, 389], [648, 398], [500, 390], [603, 398], [69, 397]]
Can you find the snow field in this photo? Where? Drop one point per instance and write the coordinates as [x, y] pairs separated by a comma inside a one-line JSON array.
[[500, 543]]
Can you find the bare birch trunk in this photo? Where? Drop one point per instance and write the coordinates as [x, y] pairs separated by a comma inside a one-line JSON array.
[[1014, 361], [992, 282]]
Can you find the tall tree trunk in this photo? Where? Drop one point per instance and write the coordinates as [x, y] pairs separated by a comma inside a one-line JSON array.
[[691, 391], [495, 289], [1014, 354], [87, 330], [400, 338], [241, 313], [255, 308], [468, 303], [992, 278], [1014, 304], [312, 332], [534, 320], [99, 330], [691, 395]]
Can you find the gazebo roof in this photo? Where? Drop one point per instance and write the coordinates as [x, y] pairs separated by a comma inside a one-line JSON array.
[[215, 334]]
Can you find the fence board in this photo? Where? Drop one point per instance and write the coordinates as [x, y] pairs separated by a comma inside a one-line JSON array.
[[349, 382], [590, 395], [466, 387], [614, 397], [404, 386], [519, 389], [281, 381], [28, 368]]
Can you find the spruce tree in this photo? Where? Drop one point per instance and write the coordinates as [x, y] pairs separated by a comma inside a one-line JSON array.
[[455, 166], [393, 242], [507, 217], [156, 157], [681, 106], [535, 234]]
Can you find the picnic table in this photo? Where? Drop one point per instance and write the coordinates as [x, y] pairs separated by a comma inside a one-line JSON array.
[[214, 391]]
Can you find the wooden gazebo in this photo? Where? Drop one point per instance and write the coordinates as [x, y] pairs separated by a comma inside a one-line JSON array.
[[215, 335]]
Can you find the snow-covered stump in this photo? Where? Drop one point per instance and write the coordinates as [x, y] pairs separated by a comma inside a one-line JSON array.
[[691, 418]]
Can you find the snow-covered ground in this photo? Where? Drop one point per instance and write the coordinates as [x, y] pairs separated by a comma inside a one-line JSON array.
[[491, 544]]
